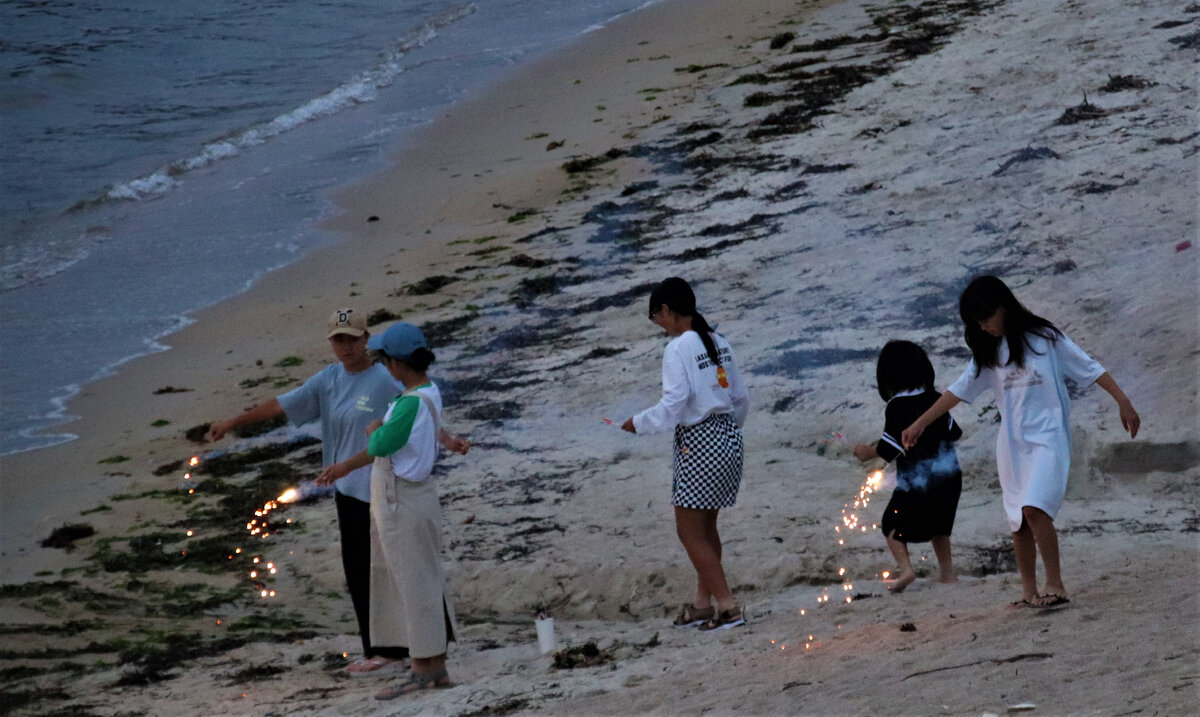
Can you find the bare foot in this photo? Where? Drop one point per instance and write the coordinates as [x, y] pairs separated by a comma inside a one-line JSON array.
[[1046, 600], [902, 581], [373, 665], [948, 578], [1025, 601]]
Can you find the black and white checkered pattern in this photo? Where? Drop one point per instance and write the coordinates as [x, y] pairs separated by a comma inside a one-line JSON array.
[[708, 463]]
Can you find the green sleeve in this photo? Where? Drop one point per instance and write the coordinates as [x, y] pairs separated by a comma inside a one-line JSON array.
[[393, 435]]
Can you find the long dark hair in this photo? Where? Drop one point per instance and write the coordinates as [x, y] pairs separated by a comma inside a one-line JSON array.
[[678, 297], [979, 301], [902, 366]]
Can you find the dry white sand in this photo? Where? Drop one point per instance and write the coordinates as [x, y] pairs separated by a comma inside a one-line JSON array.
[[811, 248]]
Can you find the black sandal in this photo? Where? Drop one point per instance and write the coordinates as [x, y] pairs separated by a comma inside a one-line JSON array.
[[691, 615], [724, 620]]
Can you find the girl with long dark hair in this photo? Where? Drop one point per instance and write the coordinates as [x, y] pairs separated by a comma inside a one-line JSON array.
[[705, 402], [1024, 359]]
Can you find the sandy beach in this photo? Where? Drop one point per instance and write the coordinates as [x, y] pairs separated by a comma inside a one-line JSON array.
[[829, 175]]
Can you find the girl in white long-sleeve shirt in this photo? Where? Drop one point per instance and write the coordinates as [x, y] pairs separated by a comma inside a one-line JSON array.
[[705, 402]]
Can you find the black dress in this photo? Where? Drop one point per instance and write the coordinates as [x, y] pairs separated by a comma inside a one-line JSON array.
[[928, 479]]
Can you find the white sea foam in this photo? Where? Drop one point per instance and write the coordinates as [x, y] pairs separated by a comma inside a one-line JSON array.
[[359, 90], [22, 264]]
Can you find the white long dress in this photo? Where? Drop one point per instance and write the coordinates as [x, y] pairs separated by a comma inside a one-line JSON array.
[[1033, 449]]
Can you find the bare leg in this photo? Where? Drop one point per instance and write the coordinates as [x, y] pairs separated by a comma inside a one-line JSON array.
[[1025, 551], [697, 530], [941, 548], [713, 538], [1045, 536], [900, 553]]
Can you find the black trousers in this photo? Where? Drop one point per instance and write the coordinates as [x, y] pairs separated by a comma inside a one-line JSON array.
[[354, 522]]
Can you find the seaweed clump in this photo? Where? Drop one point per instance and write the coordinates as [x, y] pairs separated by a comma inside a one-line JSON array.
[[585, 655], [1120, 83], [65, 536], [1082, 112]]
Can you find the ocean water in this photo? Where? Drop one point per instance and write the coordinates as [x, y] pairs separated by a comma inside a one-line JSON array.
[[158, 157]]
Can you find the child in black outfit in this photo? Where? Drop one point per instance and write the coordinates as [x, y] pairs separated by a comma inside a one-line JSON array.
[[928, 479]]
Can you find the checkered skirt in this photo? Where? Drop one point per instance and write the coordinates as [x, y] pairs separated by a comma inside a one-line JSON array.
[[708, 463]]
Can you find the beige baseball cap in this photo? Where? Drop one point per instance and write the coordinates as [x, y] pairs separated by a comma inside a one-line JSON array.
[[347, 321]]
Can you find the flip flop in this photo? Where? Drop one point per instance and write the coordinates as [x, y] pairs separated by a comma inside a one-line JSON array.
[[1053, 600], [1022, 603], [439, 680]]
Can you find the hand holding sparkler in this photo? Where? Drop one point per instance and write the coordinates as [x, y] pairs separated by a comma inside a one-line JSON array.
[[944, 403], [332, 474], [337, 471], [628, 426], [453, 443]]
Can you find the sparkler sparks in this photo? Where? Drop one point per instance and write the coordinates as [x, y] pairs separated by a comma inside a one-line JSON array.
[[256, 526], [853, 523]]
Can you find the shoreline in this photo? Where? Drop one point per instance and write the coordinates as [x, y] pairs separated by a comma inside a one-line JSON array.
[[282, 324], [823, 196]]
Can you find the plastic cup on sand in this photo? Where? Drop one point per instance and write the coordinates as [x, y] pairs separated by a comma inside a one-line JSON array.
[[545, 632]]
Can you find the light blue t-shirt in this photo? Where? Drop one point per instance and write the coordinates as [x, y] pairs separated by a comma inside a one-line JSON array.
[[345, 403]]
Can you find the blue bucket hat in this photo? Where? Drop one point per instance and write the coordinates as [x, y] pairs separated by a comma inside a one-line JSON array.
[[399, 341]]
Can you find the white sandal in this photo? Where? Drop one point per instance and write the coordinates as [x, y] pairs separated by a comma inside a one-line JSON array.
[[377, 665]]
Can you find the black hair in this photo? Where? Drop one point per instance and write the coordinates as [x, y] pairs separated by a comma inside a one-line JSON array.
[[902, 366], [678, 296], [979, 301], [419, 360]]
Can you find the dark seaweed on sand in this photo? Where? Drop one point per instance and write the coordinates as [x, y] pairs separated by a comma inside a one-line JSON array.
[[1082, 112], [585, 655], [1118, 83], [428, 285], [1029, 154], [65, 536], [906, 32], [782, 39], [508, 706], [378, 316], [587, 164], [1186, 42]]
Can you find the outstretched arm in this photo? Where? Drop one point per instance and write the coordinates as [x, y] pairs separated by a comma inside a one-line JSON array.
[[1129, 417], [262, 412], [944, 403]]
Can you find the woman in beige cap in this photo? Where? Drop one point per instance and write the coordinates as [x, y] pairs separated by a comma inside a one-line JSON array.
[[345, 396]]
